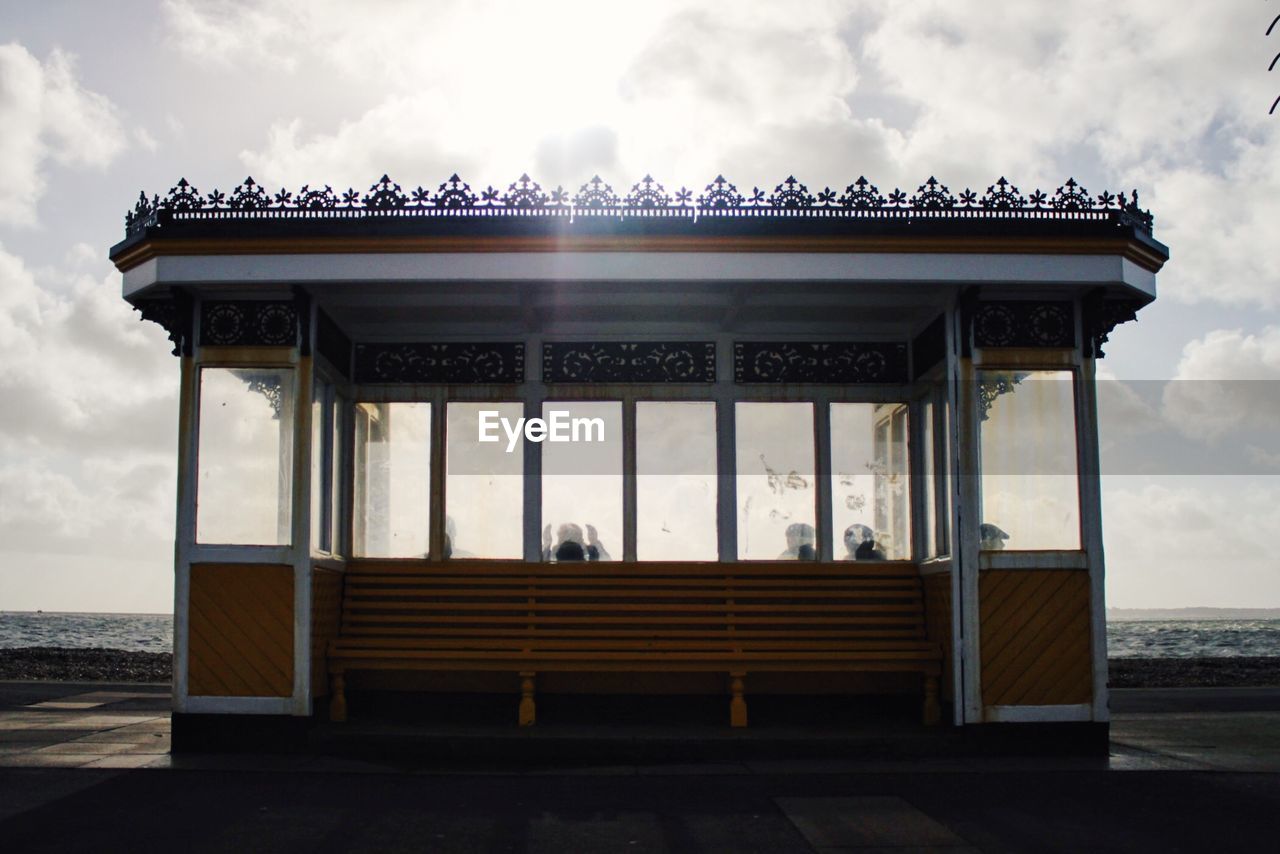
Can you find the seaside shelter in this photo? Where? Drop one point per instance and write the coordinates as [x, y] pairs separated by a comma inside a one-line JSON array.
[[526, 441]]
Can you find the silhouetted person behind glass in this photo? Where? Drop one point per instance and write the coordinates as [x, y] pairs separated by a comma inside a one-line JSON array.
[[569, 544], [992, 537], [860, 543], [451, 537], [800, 538]]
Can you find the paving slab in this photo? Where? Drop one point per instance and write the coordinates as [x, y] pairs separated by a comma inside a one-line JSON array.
[[839, 824]]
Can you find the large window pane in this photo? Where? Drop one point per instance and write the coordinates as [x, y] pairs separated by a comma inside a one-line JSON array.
[[322, 451], [582, 482], [1030, 495], [245, 469], [675, 481], [484, 483], [393, 479], [870, 481], [775, 481]]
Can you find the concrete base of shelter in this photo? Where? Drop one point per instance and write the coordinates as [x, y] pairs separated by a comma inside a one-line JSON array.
[[206, 733], [414, 726]]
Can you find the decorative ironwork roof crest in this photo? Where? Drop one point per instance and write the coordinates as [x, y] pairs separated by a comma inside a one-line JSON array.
[[526, 197]]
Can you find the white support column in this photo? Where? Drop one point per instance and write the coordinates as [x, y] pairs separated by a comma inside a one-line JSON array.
[[185, 524], [965, 519], [301, 536], [1091, 528]]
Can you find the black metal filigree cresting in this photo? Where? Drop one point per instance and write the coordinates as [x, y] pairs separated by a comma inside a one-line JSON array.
[[613, 362], [248, 323], [861, 199], [444, 363], [837, 362]]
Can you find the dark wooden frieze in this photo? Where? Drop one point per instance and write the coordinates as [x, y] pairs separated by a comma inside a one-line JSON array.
[[442, 364], [1024, 324], [830, 363], [614, 362], [248, 323]]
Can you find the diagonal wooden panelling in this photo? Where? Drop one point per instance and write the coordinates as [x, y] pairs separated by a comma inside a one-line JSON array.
[[1035, 637], [240, 622], [326, 615], [937, 620]]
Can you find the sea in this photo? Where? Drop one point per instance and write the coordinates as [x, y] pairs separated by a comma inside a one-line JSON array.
[[1125, 639]]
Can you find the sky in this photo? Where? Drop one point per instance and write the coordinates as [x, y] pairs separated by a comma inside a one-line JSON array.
[[99, 101]]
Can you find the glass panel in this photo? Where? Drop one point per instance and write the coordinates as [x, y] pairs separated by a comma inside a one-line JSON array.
[[392, 479], [1030, 495], [676, 481], [870, 481], [581, 480], [775, 480], [321, 455], [930, 487], [245, 459], [484, 482]]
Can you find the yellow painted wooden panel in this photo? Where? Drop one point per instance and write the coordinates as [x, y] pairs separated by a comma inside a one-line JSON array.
[[326, 614], [240, 622], [937, 619], [1035, 637]]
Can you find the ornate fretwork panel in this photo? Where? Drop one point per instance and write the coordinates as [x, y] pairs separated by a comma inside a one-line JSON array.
[[174, 316], [993, 384], [838, 362], [1101, 317], [248, 323], [1024, 324], [612, 362], [445, 364]]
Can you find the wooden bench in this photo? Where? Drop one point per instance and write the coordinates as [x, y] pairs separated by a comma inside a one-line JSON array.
[[727, 618]]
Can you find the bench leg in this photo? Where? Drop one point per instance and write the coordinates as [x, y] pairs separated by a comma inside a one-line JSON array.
[[528, 710], [932, 711], [738, 703], [338, 702]]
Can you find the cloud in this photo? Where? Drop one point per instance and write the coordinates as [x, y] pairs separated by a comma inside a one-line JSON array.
[[47, 115], [563, 89], [1201, 541], [1226, 382], [1120, 96], [88, 426]]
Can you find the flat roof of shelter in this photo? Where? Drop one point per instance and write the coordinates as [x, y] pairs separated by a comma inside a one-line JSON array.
[[526, 218]]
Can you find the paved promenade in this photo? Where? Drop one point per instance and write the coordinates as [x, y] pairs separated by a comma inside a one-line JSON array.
[[87, 767]]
